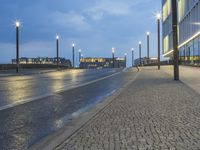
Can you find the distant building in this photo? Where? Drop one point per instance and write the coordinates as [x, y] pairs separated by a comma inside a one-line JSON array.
[[44, 61], [188, 30], [146, 61], [93, 63]]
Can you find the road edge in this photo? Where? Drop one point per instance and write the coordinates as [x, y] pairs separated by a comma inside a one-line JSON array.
[[59, 137]]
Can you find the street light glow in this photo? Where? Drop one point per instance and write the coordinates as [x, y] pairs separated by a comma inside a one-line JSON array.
[[125, 54], [113, 50], [158, 16], [73, 44], [57, 37], [148, 33], [132, 49], [140, 42], [17, 23]]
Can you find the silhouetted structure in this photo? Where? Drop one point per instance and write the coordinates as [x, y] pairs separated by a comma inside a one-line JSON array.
[[94, 63]]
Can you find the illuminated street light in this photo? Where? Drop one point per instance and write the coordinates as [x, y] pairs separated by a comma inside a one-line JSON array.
[[175, 39], [113, 56], [132, 50], [125, 55], [148, 47], [17, 25], [158, 16], [140, 52], [73, 46], [57, 50]]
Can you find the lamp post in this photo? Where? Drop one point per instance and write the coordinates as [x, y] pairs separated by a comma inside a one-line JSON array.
[[73, 46], [148, 47], [17, 24], [79, 51], [140, 52], [81, 56], [57, 50], [132, 50], [113, 57], [158, 16], [125, 55], [175, 39]]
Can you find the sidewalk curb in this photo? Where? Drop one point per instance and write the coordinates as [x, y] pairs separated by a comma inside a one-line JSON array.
[[63, 135]]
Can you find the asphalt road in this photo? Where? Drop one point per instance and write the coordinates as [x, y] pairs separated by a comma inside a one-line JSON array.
[[19, 89], [38, 105]]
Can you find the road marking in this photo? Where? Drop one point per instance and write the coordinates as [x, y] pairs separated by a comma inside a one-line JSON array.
[[57, 91]]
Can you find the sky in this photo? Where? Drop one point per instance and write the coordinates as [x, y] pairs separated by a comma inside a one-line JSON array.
[[94, 25]]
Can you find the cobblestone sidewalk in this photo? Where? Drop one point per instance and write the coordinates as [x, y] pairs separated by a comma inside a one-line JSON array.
[[153, 113]]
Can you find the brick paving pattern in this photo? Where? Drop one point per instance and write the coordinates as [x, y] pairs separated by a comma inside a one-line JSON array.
[[154, 112]]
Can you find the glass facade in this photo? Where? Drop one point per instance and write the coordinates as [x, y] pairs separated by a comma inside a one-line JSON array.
[[190, 53], [188, 31]]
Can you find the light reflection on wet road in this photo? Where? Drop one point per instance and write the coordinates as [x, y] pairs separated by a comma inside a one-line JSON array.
[[22, 88], [24, 125]]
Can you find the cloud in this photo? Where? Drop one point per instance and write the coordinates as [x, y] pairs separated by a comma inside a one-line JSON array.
[[71, 19], [113, 8], [95, 26]]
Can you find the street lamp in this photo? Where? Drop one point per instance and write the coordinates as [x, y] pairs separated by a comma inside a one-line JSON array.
[[125, 55], [140, 52], [175, 39], [73, 46], [81, 56], [79, 51], [132, 50], [148, 47], [158, 16], [113, 56], [57, 49], [17, 25]]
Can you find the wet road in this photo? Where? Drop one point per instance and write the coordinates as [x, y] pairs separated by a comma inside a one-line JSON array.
[[19, 89], [23, 125]]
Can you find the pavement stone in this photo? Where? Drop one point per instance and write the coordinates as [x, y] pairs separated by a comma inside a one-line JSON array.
[[154, 112]]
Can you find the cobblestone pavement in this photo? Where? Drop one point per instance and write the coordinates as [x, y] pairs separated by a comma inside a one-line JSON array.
[[187, 75], [154, 112]]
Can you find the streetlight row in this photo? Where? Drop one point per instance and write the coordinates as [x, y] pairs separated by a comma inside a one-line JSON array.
[[175, 41], [18, 24], [158, 16]]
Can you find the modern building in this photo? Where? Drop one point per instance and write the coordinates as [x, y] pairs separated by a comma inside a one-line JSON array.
[[146, 61], [44, 61], [188, 30], [94, 63]]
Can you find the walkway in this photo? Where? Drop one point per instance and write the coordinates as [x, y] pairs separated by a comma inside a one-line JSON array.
[[154, 112]]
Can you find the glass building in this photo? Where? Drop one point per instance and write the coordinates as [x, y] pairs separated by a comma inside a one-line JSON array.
[[188, 30]]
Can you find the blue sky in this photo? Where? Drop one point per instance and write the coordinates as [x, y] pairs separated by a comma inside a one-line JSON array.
[[94, 25]]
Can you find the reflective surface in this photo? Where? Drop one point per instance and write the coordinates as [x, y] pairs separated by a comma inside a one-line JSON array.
[[24, 125], [25, 88]]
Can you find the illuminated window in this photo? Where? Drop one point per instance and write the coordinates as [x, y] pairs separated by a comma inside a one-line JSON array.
[[166, 9], [166, 44]]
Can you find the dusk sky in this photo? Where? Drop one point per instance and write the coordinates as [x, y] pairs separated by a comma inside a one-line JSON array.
[[94, 25]]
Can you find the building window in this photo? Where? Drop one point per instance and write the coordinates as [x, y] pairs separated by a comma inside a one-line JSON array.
[[166, 44]]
